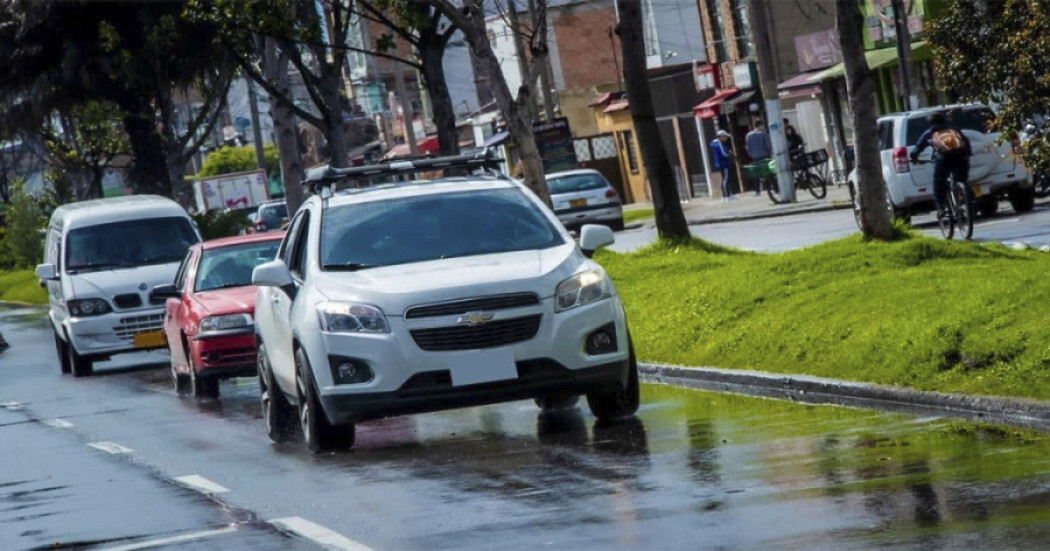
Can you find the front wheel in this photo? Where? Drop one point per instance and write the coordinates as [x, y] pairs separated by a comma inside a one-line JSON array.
[[318, 434], [963, 206], [278, 415], [620, 401], [204, 386], [80, 366], [63, 354]]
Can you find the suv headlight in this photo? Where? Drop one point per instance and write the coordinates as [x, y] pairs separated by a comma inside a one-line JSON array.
[[580, 289], [88, 307], [351, 317], [223, 323]]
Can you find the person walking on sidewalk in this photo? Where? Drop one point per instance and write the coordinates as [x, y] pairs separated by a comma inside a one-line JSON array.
[[722, 154], [759, 148]]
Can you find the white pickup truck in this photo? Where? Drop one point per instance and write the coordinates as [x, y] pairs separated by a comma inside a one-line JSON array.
[[995, 173]]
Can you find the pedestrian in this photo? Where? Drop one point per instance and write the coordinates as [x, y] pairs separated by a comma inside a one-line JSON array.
[[759, 148], [794, 140], [722, 156]]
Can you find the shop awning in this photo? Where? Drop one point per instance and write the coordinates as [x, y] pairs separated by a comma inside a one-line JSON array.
[[878, 59], [799, 86], [742, 99], [709, 108], [426, 145], [496, 139]]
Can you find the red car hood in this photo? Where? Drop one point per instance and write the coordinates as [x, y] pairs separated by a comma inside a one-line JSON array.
[[235, 300]]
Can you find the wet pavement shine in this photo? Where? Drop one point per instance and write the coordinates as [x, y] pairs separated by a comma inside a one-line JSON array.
[[119, 461]]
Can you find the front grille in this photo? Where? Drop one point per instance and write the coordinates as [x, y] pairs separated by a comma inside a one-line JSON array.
[[129, 326], [489, 335], [456, 307], [130, 300]]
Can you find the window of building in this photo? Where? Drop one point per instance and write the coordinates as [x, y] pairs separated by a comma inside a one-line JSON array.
[[627, 143], [718, 32], [742, 28]]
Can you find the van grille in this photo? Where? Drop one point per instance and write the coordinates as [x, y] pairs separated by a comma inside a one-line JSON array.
[[456, 307], [489, 335], [129, 326], [130, 300]]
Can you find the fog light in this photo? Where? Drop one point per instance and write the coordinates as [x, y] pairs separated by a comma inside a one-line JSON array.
[[349, 371], [602, 341]]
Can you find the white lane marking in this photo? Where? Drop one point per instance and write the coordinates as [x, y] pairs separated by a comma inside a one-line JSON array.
[[317, 534], [110, 447], [57, 423], [174, 539], [13, 406], [201, 484]]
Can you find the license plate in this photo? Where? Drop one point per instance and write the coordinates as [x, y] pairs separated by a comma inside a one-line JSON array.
[[148, 339], [577, 203], [482, 366]]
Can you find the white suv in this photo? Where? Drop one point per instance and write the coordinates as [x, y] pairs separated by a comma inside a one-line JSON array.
[[427, 295], [995, 173]]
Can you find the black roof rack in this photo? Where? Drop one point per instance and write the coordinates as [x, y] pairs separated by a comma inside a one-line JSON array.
[[321, 176]]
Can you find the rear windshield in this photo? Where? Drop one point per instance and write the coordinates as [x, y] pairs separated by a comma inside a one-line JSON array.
[[575, 183], [232, 266], [128, 244], [977, 120], [275, 213]]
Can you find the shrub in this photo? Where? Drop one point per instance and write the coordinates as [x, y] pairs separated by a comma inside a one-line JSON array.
[[214, 224], [21, 242], [227, 160]]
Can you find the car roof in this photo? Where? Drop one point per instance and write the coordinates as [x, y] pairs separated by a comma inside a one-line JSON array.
[[400, 190], [242, 239], [116, 209], [576, 172], [927, 110]]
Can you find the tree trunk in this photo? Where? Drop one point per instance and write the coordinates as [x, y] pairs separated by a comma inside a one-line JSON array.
[[275, 67], [149, 170], [444, 113], [528, 85], [541, 55], [875, 212], [670, 220]]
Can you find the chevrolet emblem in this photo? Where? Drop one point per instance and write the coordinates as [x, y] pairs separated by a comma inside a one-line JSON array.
[[474, 319]]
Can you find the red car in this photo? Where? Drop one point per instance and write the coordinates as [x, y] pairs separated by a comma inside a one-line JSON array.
[[209, 321]]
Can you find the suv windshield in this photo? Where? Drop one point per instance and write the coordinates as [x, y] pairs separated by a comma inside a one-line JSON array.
[[431, 227], [575, 182], [128, 244], [978, 120], [232, 266]]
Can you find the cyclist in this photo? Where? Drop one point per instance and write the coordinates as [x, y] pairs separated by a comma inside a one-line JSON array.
[[951, 155]]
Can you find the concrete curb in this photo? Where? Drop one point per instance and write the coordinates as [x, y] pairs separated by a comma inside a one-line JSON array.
[[1032, 414], [650, 223], [14, 304]]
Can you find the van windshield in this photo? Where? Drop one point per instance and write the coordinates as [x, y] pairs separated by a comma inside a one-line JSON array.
[[128, 244]]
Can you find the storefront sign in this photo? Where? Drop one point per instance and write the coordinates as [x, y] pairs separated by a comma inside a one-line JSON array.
[[554, 140], [707, 77], [818, 50], [879, 28], [745, 76]]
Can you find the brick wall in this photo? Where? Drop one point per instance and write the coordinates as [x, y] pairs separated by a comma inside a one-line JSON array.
[[585, 52]]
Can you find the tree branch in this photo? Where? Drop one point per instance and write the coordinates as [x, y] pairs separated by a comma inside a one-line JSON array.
[[278, 94]]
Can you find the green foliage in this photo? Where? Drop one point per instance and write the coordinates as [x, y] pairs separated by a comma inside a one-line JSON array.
[[915, 312], [21, 286], [227, 160], [999, 52], [215, 224], [21, 241]]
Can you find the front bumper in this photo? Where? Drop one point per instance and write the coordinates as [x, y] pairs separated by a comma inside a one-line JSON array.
[[113, 333], [225, 354]]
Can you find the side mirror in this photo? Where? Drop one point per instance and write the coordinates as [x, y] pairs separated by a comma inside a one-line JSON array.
[[272, 274], [594, 237], [162, 293], [47, 272]]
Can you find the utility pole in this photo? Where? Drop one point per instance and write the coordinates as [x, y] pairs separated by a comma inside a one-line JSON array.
[[760, 32], [612, 46], [900, 22], [253, 108], [407, 116]]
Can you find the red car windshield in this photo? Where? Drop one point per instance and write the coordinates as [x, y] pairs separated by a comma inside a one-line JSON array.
[[232, 266]]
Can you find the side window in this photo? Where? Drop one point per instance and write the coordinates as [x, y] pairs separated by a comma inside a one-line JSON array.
[[180, 276], [288, 245], [299, 257], [54, 249], [885, 135]]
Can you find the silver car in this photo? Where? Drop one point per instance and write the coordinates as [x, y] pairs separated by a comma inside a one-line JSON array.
[[585, 197]]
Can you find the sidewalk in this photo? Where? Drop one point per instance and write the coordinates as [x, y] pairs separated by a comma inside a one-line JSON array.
[[706, 210]]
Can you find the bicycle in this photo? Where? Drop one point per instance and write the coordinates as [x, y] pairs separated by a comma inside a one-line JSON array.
[[960, 210], [802, 171]]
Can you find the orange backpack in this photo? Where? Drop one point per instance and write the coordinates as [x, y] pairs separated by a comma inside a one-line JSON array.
[[947, 140]]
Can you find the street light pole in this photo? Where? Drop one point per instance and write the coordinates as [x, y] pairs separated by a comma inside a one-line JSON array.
[[760, 32]]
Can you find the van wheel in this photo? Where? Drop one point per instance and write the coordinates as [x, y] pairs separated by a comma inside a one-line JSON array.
[[1022, 199], [277, 413], [80, 366], [63, 354], [620, 401], [318, 434]]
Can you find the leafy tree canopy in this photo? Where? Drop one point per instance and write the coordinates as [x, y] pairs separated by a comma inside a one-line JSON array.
[[227, 160]]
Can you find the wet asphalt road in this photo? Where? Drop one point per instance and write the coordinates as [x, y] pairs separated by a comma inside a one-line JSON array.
[[694, 470], [794, 232]]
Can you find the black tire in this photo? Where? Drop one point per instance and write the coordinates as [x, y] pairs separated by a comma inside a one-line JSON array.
[[817, 186], [946, 222], [855, 202], [557, 402], [964, 210], [181, 381], [988, 205], [79, 366], [63, 354], [318, 434], [1041, 185], [1022, 199], [204, 386], [615, 403], [773, 190], [278, 414]]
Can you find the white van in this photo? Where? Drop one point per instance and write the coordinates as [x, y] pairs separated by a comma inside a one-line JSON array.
[[101, 258]]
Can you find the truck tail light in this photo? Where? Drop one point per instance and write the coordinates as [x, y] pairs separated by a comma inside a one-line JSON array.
[[900, 160]]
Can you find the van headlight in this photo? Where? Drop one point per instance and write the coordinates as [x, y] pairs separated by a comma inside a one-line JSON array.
[[227, 322], [351, 317], [88, 307], [580, 289]]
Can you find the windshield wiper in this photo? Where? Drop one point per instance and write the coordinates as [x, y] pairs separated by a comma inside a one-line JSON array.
[[224, 286], [348, 267], [97, 266]]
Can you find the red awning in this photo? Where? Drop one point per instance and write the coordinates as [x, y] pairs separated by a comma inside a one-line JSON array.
[[427, 145], [709, 108]]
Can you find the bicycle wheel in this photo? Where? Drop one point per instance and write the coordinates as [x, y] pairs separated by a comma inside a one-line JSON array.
[[817, 186], [963, 205], [945, 220], [773, 190]]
